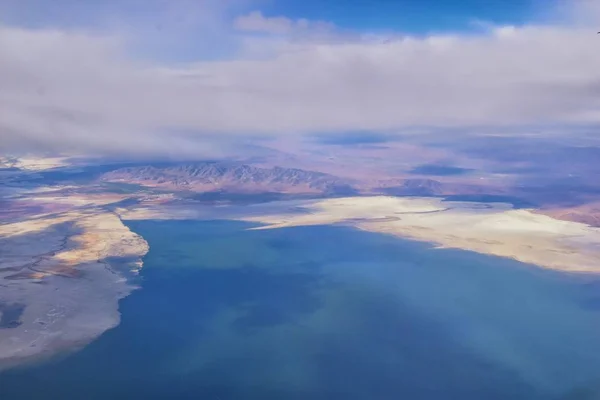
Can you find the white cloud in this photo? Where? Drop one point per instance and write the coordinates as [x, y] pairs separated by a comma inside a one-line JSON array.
[[257, 22], [61, 88]]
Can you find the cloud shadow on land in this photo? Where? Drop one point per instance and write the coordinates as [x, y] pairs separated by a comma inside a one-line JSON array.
[[364, 138], [439, 170]]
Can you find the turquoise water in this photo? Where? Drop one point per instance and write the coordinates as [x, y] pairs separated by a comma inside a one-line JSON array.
[[330, 313]]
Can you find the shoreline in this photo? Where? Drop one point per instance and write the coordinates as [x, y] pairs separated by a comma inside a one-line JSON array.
[[72, 294], [520, 234], [496, 229]]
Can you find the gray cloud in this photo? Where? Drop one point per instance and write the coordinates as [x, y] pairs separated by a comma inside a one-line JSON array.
[[86, 91]]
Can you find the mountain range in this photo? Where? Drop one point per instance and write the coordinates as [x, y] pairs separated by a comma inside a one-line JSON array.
[[244, 178], [234, 177]]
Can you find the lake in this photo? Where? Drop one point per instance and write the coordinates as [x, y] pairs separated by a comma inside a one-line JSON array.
[[329, 312]]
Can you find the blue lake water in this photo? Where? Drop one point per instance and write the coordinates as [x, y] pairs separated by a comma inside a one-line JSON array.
[[330, 313]]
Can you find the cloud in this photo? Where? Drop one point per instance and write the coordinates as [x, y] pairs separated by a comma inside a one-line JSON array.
[[257, 22], [88, 90]]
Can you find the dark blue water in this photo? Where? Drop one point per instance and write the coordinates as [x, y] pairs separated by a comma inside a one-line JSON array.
[[330, 313]]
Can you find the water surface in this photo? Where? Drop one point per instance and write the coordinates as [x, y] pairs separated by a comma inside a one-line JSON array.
[[330, 313]]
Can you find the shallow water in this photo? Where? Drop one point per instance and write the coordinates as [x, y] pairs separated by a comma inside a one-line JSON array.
[[330, 313]]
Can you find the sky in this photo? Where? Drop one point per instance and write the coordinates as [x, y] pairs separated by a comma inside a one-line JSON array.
[[411, 16], [195, 77]]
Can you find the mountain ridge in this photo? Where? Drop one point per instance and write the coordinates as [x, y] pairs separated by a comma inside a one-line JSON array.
[[212, 176]]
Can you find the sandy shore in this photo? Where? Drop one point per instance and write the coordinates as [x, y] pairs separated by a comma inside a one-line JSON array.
[[60, 272], [493, 229], [487, 228]]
